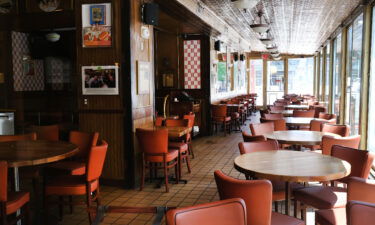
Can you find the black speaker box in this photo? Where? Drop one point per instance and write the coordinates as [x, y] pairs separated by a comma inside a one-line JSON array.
[[242, 57], [150, 13], [235, 57], [217, 45]]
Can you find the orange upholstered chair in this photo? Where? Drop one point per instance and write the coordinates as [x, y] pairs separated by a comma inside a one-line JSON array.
[[274, 116], [303, 113], [189, 136], [249, 147], [318, 110], [159, 121], [10, 202], [250, 138], [329, 197], [73, 185], [316, 125], [327, 116], [358, 190], [77, 166], [20, 137], [154, 147], [48, 133], [279, 124], [257, 195], [276, 108], [342, 130], [226, 212], [219, 116], [180, 144], [262, 128], [329, 141]]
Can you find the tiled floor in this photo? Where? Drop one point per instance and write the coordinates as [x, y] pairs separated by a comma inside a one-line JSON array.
[[211, 153]]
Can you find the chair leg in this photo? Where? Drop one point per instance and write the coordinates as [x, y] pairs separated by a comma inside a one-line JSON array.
[[276, 206], [176, 172], [179, 164], [71, 204], [166, 176], [190, 147], [225, 129], [89, 201], [188, 162], [27, 217], [61, 207], [297, 207], [143, 174]]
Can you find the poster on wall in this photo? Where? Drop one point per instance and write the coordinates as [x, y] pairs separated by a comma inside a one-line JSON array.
[[143, 77], [96, 25], [100, 80]]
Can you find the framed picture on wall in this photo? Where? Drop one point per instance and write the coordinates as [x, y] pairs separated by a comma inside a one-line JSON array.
[[100, 80], [143, 77], [97, 25]]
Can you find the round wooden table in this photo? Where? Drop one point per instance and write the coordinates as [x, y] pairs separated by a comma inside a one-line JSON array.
[[30, 153], [302, 107], [298, 137], [292, 166], [284, 112]]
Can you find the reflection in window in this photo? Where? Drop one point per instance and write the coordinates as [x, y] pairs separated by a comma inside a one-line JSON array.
[[336, 86], [371, 114], [256, 79], [275, 81], [353, 88], [301, 76], [328, 61]]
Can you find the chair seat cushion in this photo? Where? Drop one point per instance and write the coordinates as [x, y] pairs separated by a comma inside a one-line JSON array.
[[16, 200], [172, 154], [182, 147], [68, 185], [281, 219], [278, 187], [331, 216], [322, 197], [222, 119], [70, 167]]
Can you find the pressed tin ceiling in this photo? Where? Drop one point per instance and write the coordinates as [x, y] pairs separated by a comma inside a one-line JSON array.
[[298, 26]]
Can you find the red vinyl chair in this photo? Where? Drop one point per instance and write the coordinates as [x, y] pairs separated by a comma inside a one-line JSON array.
[[318, 110], [303, 113], [220, 117], [77, 166], [20, 137], [226, 212], [180, 144], [358, 190], [316, 125], [189, 136], [249, 147], [327, 116], [159, 121], [279, 124], [342, 130], [48, 133], [262, 128], [329, 141], [154, 147], [276, 108], [251, 138], [274, 116], [329, 197], [73, 185], [257, 195], [10, 202]]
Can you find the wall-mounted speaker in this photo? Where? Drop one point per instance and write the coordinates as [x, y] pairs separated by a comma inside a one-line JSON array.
[[235, 57], [217, 45], [150, 13], [242, 57]]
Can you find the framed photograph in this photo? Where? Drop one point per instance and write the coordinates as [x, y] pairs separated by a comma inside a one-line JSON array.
[[100, 80], [143, 77], [97, 14], [97, 25]]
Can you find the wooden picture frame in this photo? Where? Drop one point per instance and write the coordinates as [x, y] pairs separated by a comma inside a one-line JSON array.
[[100, 80]]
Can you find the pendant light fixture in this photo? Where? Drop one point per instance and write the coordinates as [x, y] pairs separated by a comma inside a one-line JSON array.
[[275, 54], [267, 39], [272, 48], [260, 25], [244, 4]]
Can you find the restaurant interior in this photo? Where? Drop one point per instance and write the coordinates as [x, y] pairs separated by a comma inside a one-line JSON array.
[[187, 112]]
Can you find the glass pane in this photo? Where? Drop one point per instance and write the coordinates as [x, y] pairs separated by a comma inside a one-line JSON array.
[[275, 81], [321, 76], [301, 76], [355, 77], [371, 116], [221, 76], [336, 86], [327, 80], [256, 79]]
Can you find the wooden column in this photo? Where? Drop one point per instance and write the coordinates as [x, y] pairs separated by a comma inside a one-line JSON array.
[[318, 76], [315, 79], [344, 50], [264, 83], [331, 62], [286, 75], [322, 95]]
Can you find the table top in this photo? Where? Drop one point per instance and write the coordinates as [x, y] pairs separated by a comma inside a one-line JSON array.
[[297, 107], [234, 105], [292, 166], [284, 112], [298, 121], [175, 132], [298, 137], [28, 153]]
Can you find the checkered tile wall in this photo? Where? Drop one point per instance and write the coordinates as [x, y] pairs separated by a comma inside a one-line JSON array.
[[23, 82], [192, 64]]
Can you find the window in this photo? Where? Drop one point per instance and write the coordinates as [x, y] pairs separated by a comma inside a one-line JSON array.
[[256, 79], [301, 76], [354, 78], [221, 76], [336, 85], [275, 81], [371, 116], [321, 76], [327, 77]]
